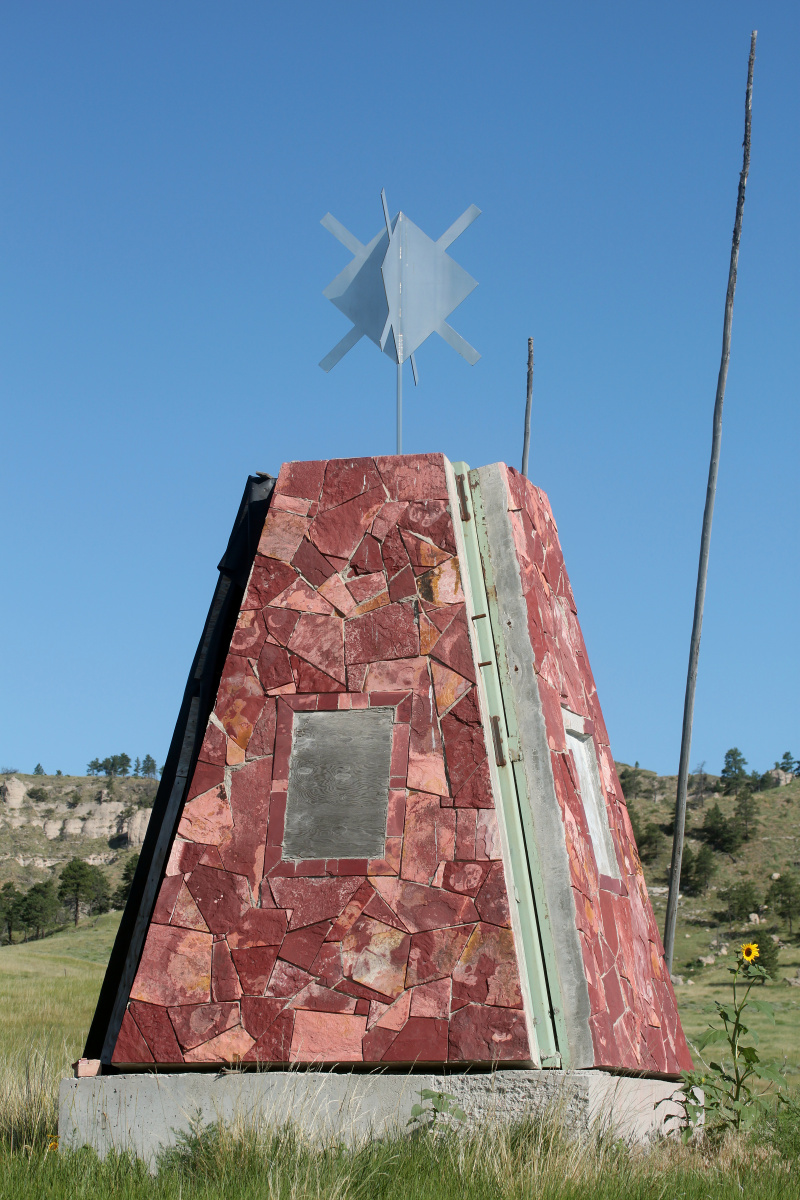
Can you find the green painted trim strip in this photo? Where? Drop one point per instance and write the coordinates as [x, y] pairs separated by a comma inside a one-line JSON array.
[[548, 981], [520, 886]]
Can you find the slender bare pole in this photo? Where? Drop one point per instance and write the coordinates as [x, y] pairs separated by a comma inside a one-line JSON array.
[[526, 441], [399, 408], [702, 570]]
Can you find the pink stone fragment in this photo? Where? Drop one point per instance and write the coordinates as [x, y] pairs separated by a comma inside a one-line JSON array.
[[213, 747], [302, 598], [254, 967], [314, 900], [249, 634], [301, 479], [441, 585], [262, 742], [386, 633], [376, 955], [205, 778], [275, 1043], [421, 908], [323, 999], [267, 578], [422, 553], [225, 984], [314, 566], [231, 1046], [207, 818], [302, 946], [283, 531], [431, 999], [335, 592], [413, 476], [487, 835], [465, 877], [175, 967], [481, 1034], [422, 1039], [487, 971], [448, 686], [258, 1013], [167, 895], [198, 1023], [434, 954], [398, 675], [274, 669], [367, 558], [222, 898], [492, 900], [346, 478], [157, 1030], [258, 927], [240, 700], [287, 981], [130, 1045], [319, 641], [338, 531], [327, 1037], [396, 1015], [186, 913]]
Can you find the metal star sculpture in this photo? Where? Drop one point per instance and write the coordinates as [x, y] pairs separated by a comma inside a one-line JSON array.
[[398, 290]]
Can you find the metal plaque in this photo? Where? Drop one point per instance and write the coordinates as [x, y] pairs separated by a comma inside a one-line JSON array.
[[339, 784]]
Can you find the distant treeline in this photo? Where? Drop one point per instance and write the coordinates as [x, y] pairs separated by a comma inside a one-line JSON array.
[[120, 764], [46, 907]]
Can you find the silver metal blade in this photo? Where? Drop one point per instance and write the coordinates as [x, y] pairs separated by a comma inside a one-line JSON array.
[[348, 240], [340, 349], [458, 343], [458, 227]]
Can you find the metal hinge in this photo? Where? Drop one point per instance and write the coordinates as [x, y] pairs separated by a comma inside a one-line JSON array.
[[497, 738], [466, 515]]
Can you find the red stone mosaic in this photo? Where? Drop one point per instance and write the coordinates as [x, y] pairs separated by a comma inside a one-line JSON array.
[[354, 600], [634, 1016]]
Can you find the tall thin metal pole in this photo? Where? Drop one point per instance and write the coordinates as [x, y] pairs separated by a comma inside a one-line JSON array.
[[399, 408], [526, 440], [705, 540]]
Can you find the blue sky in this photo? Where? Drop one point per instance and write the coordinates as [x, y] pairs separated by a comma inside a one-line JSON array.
[[165, 169]]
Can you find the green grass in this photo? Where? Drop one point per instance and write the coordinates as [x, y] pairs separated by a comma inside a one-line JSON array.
[[48, 990], [531, 1160]]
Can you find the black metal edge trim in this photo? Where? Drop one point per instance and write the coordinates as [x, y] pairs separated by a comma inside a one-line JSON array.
[[198, 701]]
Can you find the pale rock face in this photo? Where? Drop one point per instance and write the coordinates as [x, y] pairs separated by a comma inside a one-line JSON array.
[[136, 826], [104, 822], [73, 827], [52, 829], [13, 791]]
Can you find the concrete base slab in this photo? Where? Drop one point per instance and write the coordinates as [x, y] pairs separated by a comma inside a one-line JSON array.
[[144, 1113]]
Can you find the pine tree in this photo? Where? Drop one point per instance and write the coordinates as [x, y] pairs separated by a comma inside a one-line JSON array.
[[746, 810], [740, 899], [783, 898], [720, 832], [787, 763], [120, 897], [83, 884], [733, 771], [148, 767], [38, 769]]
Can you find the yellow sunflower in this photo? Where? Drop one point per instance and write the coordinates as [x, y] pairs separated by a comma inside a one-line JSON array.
[[749, 951]]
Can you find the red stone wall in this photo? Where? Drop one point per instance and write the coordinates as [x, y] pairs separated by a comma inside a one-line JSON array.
[[634, 1016], [354, 599]]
